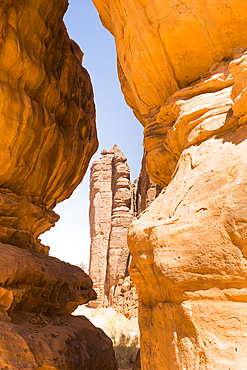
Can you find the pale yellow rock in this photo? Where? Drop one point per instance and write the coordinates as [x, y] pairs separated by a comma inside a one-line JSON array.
[[189, 256], [110, 215]]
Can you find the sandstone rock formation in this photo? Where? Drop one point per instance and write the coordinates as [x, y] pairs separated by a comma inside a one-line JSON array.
[[39, 342], [165, 45], [144, 189], [114, 201], [182, 66], [48, 132], [110, 215], [137, 364], [48, 136]]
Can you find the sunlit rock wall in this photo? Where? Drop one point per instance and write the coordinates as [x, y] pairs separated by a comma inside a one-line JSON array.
[[110, 216], [48, 132], [114, 201], [165, 45], [182, 67], [48, 136]]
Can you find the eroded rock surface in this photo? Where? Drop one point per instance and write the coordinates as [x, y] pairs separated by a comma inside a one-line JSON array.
[[182, 66], [48, 132], [31, 281], [163, 46], [48, 136], [39, 342], [114, 201], [110, 216], [188, 249]]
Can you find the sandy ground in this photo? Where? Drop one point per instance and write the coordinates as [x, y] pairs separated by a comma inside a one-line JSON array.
[[112, 322]]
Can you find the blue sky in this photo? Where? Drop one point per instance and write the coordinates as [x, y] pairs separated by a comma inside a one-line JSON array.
[[69, 240]]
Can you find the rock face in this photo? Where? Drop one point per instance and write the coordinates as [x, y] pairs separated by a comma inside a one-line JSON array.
[[48, 136], [183, 70], [114, 201], [163, 46], [39, 342], [144, 190], [48, 132], [110, 215]]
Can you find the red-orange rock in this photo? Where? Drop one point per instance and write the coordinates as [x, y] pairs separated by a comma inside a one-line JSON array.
[[31, 281], [40, 342]]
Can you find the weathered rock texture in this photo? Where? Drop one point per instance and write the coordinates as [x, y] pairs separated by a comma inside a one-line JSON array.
[[114, 201], [110, 216], [47, 114], [39, 342], [165, 45], [144, 190], [48, 136], [189, 261], [188, 249]]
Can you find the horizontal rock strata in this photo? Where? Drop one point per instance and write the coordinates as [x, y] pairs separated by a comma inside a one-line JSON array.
[[110, 216]]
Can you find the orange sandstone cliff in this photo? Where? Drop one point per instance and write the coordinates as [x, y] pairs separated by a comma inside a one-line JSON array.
[[48, 136], [183, 70]]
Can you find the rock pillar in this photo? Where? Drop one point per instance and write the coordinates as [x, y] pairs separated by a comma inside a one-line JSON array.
[[110, 216]]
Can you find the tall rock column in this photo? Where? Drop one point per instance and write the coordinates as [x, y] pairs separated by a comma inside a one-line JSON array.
[[114, 201], [118, 255], [110, 216], [100, 222]]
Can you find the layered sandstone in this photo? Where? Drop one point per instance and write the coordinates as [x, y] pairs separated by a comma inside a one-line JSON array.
[[114, 201], [182, 67], [48, 136], [188, 256], [110, 215], [48, 132], [163, 46]]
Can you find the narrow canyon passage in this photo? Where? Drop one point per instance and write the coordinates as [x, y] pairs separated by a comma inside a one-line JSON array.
[[183, 71]]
